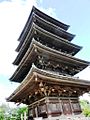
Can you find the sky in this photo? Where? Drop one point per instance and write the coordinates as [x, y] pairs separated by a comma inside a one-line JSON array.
[[13, 16]]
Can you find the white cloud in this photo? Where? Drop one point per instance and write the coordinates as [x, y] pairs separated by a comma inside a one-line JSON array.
[[49, 11], [13, 16], [85, 74], [86, 96], [6, 90]]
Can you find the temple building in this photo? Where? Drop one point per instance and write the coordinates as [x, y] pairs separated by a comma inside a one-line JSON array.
[[46, 69]]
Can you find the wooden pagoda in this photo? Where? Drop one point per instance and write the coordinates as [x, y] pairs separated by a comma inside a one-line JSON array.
[[46, 69]]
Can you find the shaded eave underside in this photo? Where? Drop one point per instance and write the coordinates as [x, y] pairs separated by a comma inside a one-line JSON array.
[[47, 50], [53, 37], [46, 17], [48, 77], [47, 26], [36, 48]]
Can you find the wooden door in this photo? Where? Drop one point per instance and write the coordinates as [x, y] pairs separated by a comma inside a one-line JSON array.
[[66, 107]]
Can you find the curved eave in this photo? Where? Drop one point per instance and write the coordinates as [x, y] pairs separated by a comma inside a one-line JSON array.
[[43, 32], [47, 26], [26, 31], [53, 52], [50, 19], [24, 47], [53, 28], [24, 64], [45, 77], [44, 16], [37, 48]]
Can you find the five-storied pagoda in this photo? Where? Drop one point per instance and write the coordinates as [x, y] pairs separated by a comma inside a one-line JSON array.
[[46, 69]]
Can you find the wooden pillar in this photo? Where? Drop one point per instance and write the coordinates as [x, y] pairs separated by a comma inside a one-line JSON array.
[[71, 106], [60, 102], [36, 111], [47, 101]]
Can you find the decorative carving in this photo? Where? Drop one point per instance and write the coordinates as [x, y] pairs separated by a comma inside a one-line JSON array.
[[53, 66]]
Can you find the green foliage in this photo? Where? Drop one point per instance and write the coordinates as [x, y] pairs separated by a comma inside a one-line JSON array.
[[21, 111], [86, 112], [1, 114], [3, 109], [85, 105], [7, 113]]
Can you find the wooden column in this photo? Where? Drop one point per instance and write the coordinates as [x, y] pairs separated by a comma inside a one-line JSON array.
[[36, 111], [60, 105], [71, 106]]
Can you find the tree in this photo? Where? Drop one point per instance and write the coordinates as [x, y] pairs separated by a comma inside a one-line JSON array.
[[3, 111], [7, 113], [20, 111], [1, 114], [85, 105]]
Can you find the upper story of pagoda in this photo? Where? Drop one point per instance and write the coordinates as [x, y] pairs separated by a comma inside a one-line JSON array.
[[47, 23], [48, 39], [37, 14], [45, 42]]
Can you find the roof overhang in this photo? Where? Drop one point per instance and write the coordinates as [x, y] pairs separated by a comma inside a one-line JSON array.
[[44, 16], [35, 75], [47, 26]]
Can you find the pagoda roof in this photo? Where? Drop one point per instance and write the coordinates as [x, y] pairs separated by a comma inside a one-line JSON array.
[[48, 37], [44, 16], [37, 48], [28, 85], [48, 27]]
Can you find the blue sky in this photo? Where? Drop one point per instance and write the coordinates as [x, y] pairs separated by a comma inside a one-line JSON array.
[[76, 14], [13, 16]]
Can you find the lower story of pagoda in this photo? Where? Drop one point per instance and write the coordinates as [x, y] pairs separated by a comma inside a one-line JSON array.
[[50, 96], [50, 108]]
